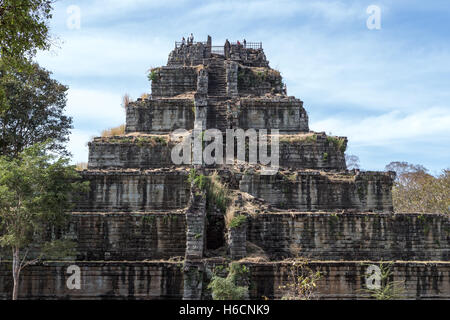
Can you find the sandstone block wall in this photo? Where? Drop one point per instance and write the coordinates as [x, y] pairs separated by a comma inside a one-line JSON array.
[[172, 81], [128, 237], [162, 280], [352, 236], [160, 116], [308, 153], [123, 154], [124, 191], [155, 151], [313, 190], [346, 280], [259, 81], [99, 280], [285, 114]]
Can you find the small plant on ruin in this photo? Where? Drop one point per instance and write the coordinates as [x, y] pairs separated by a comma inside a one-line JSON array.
[[237, 221], [228, 288], [388, 289], [126, 99], [301, 281], [117, 131], [339, 142], [153, 74], [217, 192]]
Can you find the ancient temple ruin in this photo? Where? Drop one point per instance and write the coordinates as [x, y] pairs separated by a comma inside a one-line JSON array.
[[146, 230]]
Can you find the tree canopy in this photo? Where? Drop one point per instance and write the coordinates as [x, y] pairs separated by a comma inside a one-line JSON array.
[[415, 190], [24, 27], [37, 190], [32, 106]]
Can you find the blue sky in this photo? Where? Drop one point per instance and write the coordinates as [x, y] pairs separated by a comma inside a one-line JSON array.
[[387, 90]]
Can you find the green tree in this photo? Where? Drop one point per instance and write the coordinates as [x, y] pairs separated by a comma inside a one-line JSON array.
[[31, 110], [37, 190], [415, 190], [24, 27]]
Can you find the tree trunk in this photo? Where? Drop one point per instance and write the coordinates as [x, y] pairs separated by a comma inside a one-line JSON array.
[[16, 273]]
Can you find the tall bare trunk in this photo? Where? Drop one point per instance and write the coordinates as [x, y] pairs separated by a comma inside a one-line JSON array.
[[16, 272]]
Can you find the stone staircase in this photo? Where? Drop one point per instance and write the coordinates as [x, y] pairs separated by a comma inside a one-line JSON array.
[[216, 116], [217, 82]]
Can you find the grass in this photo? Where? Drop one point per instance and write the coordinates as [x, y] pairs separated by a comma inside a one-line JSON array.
[[237, 221], [80, 166], [111, 132], [309, 138], [339, 142]]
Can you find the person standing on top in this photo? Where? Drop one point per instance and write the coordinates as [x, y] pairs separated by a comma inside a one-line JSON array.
[[226, 49], [183, 42], [245, 44], [191, 38]]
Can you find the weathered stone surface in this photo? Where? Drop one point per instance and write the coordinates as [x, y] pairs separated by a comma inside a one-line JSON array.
[[259, 81], [144, 152], [129, 152], [128, 236], [99, 280], [352, 236], [237, 241], [285, 114], [346, 280], [124, 191], [162, 280], [160, 116], [172, 81], [315, 190]]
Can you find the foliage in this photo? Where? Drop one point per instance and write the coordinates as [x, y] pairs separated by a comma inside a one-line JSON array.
[[301, 282], [153, 74], [217, 194], [31, 110], [237, 221], [339, 142], [126, 99], [415, 190], [388, 290], [227, 288], [24, 27], [36, 191]]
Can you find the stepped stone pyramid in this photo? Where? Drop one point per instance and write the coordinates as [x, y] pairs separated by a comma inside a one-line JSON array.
[[146, 231]]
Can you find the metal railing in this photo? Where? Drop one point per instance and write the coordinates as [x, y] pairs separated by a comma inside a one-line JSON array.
[[250, 45], [179, 43], [218, 50]]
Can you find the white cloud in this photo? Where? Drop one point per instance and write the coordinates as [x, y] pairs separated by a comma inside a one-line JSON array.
[[432, 125]]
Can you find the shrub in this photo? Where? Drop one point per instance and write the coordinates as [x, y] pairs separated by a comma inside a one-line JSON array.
[[117, 131], [227, 288]]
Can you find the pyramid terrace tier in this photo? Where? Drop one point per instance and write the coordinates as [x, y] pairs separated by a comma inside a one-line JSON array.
[[163, 116], [270, 235], [216, 77], [134, 190], [146, 151], [318, 190], [153, 280], [139, 190]]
